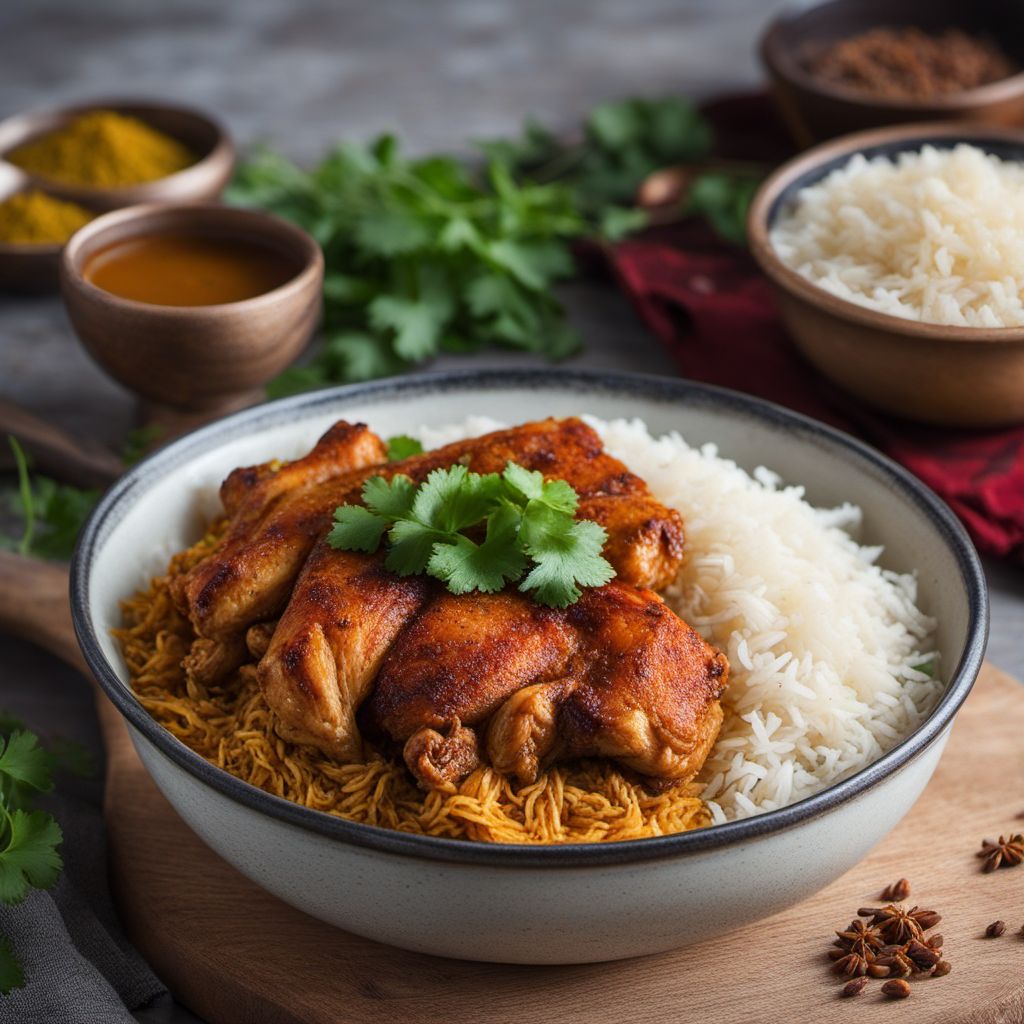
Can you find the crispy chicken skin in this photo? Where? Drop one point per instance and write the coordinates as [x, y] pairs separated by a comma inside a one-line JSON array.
[[344, 616], [276, 518], [453, 679], [616, 675]]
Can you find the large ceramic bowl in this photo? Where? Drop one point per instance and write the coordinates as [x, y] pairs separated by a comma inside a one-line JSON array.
[[539, 904]]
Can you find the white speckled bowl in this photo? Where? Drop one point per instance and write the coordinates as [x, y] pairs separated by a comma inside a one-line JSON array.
[[553, 904]]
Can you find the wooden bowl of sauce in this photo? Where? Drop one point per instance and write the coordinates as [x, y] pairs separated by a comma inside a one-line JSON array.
[[193, 307]]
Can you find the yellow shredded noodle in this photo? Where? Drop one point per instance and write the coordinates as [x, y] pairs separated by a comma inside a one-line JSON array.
[[231, 726]]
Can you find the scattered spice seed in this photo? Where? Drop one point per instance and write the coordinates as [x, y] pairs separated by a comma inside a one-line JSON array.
[[935, 941], [877, 970], [896, 892], [1007, 853], [854, 988], [941, 969], [995, 929], [896, 989]]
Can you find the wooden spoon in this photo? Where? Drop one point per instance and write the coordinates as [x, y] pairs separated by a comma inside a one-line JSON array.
[[56, 452]]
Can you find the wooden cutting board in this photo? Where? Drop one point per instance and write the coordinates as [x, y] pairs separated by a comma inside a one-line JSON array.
[[235, 954]]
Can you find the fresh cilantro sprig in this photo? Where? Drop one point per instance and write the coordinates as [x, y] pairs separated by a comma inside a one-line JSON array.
[[480, 532], [52, 513], [29, 838]]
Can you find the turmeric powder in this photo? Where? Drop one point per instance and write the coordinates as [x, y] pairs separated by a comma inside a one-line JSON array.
[[34, 218], [103, 149]]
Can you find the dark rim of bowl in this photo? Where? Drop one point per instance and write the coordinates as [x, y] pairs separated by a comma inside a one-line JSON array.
[[512, 855], [812, 165], [779, 56]]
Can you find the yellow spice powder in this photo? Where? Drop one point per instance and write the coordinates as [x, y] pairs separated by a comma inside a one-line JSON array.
[[34, 218], [103, 149]]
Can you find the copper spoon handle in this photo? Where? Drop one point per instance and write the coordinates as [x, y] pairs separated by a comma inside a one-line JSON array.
[[56, 452], [34, 606]]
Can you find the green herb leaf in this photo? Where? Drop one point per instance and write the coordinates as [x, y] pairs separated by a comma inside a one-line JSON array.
[[29, 857], [12, 974], [524, 517], [24, 763], [139, 441], [52, 513], [465, 566], [402, 446], [356, 529], [567, 560]]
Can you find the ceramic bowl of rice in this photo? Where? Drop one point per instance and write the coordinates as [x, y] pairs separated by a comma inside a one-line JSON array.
[[897, 259], [848, 599]]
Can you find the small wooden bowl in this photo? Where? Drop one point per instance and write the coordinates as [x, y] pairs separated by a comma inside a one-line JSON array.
[[24, 267], [197, 360], [958, 376], [205, 137], [815, 110]]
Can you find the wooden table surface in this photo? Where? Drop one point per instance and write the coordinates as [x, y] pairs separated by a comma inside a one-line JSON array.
[[300, 74]]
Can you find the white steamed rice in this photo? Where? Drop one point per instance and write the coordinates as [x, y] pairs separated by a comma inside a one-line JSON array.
[[936, 235], [822, 642]]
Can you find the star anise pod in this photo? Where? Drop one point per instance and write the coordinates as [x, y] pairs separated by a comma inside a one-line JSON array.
[[924, 955], [853, 965], [897, 925], [899, 962], [1007, 853], [860, 937]]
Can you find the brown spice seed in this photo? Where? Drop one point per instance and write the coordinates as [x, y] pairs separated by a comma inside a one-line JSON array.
[[855, 987], [896, 989], [943, 967], [877, 970], [935, 941], [995, 929], [897, 891]]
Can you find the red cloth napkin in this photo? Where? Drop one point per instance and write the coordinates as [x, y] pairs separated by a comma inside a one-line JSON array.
[[712, 308]]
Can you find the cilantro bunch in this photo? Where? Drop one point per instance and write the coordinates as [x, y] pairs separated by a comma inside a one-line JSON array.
[[28, 838], [480, 532], [421, 256]]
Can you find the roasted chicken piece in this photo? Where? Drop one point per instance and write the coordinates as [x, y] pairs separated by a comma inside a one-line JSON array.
[[645, 547], [616, 675], [325, 653]]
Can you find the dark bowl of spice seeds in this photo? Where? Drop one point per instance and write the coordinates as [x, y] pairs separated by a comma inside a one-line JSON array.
[[845, 65]]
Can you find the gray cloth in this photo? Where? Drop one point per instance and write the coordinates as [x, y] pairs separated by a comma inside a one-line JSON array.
[[79, 968]]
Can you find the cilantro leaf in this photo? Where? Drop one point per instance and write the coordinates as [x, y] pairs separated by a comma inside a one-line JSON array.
[[356, 529], [522, 516], [23, 762], [30, 856], [567, 560], [412, 544], [555, 494], [12, 974], [390, 499], [466, 566], [402, 446]]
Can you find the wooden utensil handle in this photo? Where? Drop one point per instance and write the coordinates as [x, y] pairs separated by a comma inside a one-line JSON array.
[[34, 605], [56, 452]]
